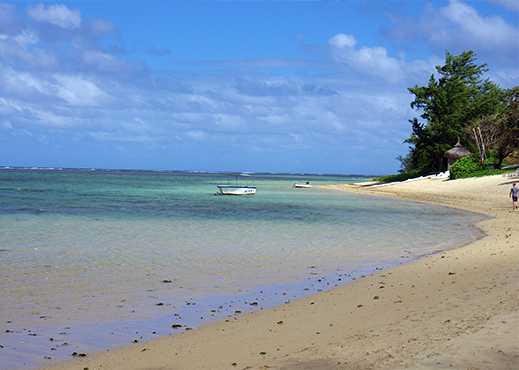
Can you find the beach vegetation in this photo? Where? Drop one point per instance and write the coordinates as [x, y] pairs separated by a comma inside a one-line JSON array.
[[501, 130], [471, 167], [487, 172], [465, 167], [455, 96]]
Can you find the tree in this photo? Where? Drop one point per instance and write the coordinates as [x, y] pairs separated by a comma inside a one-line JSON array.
[[421, 148], [501, 130], [458, 97]]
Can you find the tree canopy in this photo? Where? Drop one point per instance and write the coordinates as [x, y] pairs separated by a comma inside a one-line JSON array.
[[449, 104], [501, 130]]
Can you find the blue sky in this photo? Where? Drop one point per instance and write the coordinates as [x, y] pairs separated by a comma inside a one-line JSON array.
[[259, 86]]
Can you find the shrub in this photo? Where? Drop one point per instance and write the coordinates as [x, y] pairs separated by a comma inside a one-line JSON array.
[[490, 172], [465, 167]]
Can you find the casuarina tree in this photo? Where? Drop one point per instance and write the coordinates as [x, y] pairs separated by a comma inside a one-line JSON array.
[[456, 96]]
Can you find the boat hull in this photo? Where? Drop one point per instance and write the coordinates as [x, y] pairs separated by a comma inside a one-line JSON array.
[[236, 190], [302, 186]]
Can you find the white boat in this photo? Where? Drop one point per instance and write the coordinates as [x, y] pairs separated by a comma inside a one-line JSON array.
[[305, 185], [237, 188]]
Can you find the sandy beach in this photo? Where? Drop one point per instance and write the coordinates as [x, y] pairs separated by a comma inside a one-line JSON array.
[[457, 309]]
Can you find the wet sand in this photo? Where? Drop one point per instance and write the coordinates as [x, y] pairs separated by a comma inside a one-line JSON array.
[[454, 309]]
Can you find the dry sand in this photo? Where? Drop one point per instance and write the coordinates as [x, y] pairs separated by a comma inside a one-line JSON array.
[[453, 310]]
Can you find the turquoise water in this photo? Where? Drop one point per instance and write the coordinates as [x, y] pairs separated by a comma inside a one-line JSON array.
[[91, 258]]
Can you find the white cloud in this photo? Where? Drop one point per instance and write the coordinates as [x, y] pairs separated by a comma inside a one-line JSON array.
[[373, 61], [341, 40], [78, 91], [136, 126], [11, 52], [45, 59], [457, 27], [47, 118], [489, 32], [340, 96], [58, 15], [25, 81], [102, 27], [6, 109], [229, 123], [509, 4], [20, 51], [8, 19], [7, 125], [105, 62], [197, 135], [119, 137], [28, 37]]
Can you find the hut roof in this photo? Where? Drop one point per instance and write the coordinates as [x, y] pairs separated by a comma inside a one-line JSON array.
[[457, 152]]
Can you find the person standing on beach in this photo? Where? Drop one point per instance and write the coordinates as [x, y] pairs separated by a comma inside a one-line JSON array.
[[513, 193]]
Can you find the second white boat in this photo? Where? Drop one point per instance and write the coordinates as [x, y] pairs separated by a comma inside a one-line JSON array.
[[305, 185]]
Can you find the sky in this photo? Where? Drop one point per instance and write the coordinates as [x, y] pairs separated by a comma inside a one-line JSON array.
[[239, 86]]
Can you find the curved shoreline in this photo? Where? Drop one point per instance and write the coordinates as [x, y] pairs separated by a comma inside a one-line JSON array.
[[458, 308]]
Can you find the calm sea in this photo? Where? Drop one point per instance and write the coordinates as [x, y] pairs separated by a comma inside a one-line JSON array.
[[95, 259]]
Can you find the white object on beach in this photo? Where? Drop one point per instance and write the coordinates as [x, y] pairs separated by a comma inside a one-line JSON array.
[[512, 174], [440, 176]]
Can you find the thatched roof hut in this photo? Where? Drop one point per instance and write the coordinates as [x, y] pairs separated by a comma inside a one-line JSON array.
[[456, 153]]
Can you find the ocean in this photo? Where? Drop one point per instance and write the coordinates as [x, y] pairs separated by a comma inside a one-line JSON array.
[[91, 260]]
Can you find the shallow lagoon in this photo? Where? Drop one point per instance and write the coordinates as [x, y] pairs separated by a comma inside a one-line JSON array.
[[98, 259]]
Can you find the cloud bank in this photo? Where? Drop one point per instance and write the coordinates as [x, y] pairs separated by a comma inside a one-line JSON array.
[[69, 96]]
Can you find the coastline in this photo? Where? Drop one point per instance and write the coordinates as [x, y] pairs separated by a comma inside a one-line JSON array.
[[458, 308]]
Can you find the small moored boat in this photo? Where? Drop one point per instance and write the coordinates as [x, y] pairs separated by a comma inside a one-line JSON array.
[[237, 188], [305, 185]]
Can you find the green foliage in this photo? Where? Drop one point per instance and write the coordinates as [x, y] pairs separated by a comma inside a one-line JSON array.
[[465, 167], [489, 172], [448, 104], [491, 158], [501, 130]]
